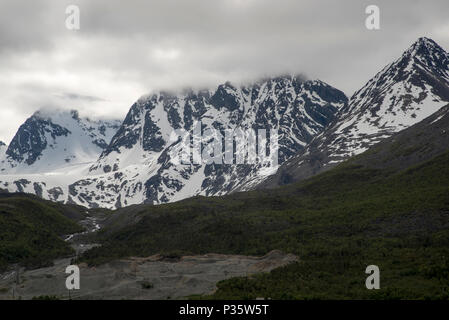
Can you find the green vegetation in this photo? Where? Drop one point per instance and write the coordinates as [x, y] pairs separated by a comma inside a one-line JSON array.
[[337, 223], [30, 231]]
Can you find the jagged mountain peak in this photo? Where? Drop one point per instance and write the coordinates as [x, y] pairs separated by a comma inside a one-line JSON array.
[[48, 113], [422, 72], [403, 93], [282, 78], [424, 55], [168, 109], [425, 47], [138, 160], [61, 116], [228, 93], [51, 138]]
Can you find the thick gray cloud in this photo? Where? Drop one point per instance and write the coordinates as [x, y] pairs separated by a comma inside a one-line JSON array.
[[127, 48]]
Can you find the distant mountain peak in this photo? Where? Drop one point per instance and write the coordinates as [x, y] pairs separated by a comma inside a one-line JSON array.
[[423, 56], [51, 138], [403, 93], [423, 65]]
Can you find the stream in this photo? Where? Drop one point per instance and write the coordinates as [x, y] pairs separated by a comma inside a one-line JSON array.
[[91, 225]]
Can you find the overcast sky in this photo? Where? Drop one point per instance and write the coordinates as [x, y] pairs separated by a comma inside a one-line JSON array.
[[125, 49]]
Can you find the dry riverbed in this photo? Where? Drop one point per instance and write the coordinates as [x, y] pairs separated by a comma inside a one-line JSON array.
[[141, 278]]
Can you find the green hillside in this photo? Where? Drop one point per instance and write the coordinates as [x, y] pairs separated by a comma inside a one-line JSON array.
[[337, 223], [30, 230]]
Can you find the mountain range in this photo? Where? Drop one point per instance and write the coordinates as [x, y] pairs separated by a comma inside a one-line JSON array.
[[360, 181], [134, 167], [112, 164]]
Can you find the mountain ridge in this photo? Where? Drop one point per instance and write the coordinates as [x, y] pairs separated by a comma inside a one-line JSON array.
[[403, 93], [317, 126], [304, 113]]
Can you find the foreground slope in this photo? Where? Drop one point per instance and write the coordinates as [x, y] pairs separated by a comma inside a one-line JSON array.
[[392, 212], [30, 230]]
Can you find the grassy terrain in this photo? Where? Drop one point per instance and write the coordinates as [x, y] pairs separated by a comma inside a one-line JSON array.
[[30, 230], [338, 223]]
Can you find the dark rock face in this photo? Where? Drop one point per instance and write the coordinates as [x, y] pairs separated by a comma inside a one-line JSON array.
[[125, 137], [55, 193], [21, 184], [224, 97], [155, 141], [30, 140], [402, 94]]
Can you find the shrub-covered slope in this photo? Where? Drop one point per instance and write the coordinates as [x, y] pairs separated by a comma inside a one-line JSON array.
[[337, 223], [30, 230]]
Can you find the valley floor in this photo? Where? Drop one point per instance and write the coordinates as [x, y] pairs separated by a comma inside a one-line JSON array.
[[141, 278]]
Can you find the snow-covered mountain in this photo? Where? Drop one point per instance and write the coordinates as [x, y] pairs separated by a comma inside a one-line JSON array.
[[49, 140], [52, 149], [61, 157], [403, 93], [137, 165]]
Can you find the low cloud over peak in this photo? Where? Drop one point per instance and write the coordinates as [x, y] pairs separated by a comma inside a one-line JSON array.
[[125, 49]]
